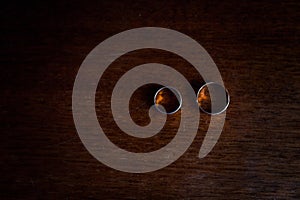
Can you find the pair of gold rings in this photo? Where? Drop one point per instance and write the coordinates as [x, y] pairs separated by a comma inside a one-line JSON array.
[[210, 93]]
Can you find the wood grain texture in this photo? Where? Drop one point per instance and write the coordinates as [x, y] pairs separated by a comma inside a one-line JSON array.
[[255, 45]]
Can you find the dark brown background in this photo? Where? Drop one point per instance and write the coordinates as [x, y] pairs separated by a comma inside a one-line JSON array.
[[255, 46]]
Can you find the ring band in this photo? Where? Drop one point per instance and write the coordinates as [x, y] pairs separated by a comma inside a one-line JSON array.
[[217, 90], [159, 97]]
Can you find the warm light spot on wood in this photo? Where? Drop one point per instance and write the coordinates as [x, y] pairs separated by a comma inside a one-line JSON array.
[[159, 97], [202, 95]]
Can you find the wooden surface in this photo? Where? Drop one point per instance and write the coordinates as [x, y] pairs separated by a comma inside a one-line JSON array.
[[256, 48]]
